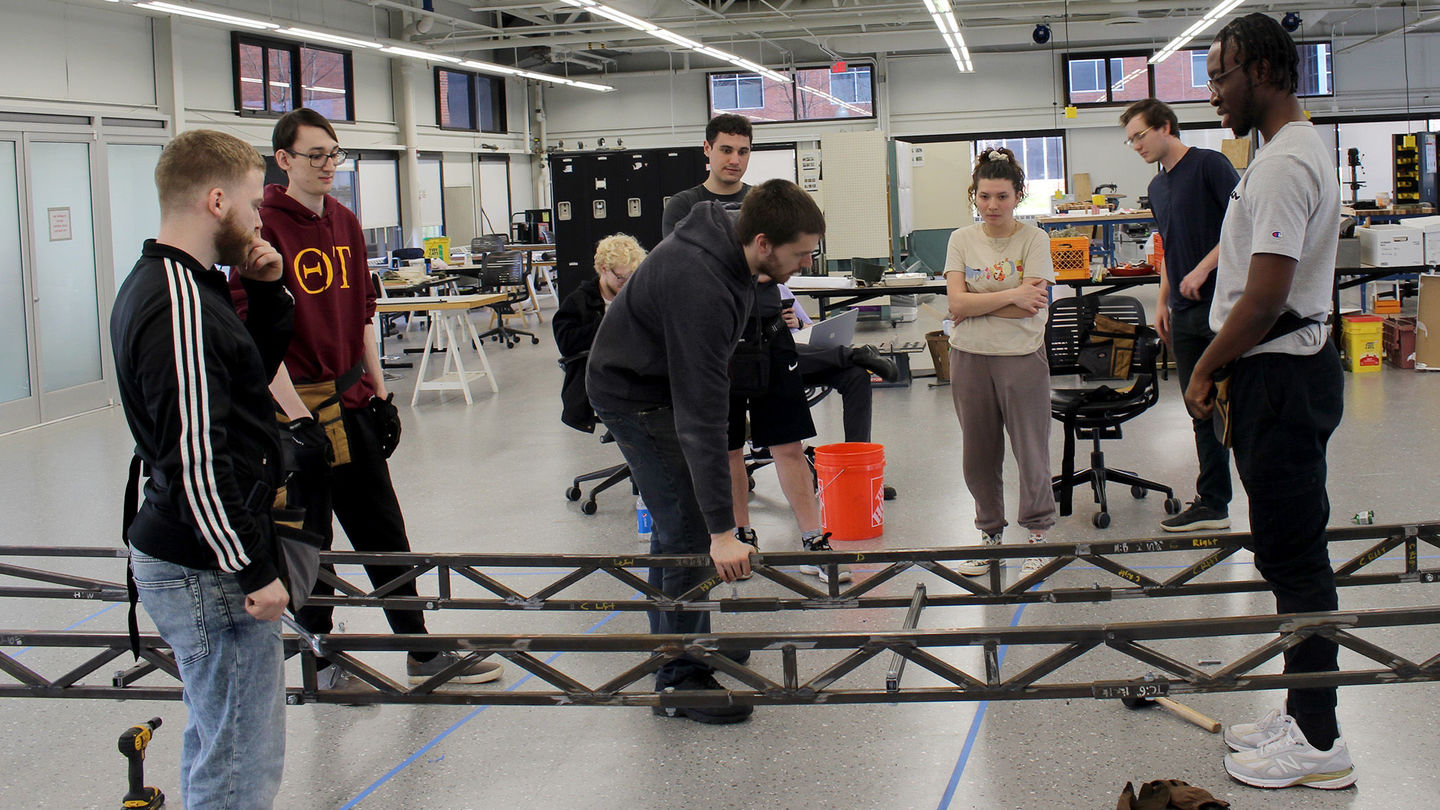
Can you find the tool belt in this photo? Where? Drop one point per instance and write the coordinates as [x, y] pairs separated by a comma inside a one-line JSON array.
[[1223, 417], [1108, 348], [322, 399]]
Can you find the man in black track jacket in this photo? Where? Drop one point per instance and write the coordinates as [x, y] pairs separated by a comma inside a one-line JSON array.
[[193, 381]]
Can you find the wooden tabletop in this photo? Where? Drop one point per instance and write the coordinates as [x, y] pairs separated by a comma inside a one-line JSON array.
[[1090, 219], [1393, 211], [437, 303]]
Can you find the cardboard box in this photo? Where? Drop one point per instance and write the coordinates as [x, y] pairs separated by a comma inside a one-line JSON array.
[[1390, 246], [1427, 324], [1429, 228]]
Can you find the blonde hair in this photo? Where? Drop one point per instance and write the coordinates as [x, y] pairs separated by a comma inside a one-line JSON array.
[[619, 250], [199, 160]]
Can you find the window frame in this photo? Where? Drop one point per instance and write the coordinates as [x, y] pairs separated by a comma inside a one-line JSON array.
[[1204, 70], [795, 102], [497, 86], [1106, 57], [737, 78], [1330, 48], [296, 72]]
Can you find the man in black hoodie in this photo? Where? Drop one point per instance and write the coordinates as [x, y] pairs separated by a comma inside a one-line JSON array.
[[659, 379], [193, 384]]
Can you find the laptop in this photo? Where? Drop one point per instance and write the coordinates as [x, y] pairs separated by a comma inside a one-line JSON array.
[[837, 330]]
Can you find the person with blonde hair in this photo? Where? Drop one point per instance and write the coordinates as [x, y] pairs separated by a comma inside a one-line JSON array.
[[578, 318], [192, 380], [996, 275]]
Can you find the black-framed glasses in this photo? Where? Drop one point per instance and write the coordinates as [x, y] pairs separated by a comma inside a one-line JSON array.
[[1130, 141], [317, 159], [1212, 82]]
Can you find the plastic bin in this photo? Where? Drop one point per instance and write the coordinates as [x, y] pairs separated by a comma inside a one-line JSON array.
[[1399, 342], [1362, 336]]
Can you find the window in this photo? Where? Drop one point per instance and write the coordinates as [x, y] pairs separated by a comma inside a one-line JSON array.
[[273, 77], [816, 94], [1182, 77], [1315, 69], [469, 101], [737, 92], [1107, 79], [1199, 76], [852, 85], [1042, 157]]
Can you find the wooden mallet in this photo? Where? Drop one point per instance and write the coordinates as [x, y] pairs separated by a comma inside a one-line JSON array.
[[1177, 708]]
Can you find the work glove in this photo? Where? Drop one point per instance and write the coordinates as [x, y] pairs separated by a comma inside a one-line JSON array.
[[386, 419], [310, 445]]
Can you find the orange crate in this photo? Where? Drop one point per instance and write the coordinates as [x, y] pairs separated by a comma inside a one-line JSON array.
[[1071, 256]]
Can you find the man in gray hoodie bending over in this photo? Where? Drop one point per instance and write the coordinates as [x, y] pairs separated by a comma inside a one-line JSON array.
[[659, 378]]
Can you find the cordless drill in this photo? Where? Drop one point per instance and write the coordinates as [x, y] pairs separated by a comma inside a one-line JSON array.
[[133, 744]]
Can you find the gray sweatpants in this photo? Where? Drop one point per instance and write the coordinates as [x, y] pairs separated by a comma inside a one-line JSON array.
[[995, 395]]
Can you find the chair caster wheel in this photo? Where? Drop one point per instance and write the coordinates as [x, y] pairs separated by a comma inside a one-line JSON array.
[[1101, 520], [572, 494], [1172, 506], [890, 493], [1138, 491], [589, 507], [535, 341]]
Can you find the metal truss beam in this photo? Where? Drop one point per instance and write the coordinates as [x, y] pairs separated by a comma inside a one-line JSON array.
[[474, 581], [810, 671]]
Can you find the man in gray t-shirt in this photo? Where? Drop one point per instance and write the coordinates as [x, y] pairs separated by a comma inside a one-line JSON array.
[[1272, 296]]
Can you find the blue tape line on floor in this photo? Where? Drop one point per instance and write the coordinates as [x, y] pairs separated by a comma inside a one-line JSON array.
[[949, 794], [96, 614], [467, 718]]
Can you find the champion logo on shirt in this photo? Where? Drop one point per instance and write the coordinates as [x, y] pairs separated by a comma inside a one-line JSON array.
[[1275, 234]]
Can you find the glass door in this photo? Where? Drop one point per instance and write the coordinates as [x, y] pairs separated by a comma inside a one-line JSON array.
[[19, 407], [69, 334]]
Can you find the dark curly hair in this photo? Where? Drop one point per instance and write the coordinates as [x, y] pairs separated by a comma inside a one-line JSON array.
[[1003, 166], [1258, 38]]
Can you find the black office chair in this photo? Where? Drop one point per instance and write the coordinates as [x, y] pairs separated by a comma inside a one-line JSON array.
[[1098, 413], [489, 243], [505, 272]]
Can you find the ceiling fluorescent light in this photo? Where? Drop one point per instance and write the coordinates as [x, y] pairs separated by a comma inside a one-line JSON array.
[[489, 68], [944, 17], [212, 16], [305, 33], [1197, 28], [675, 39], [435, 57]]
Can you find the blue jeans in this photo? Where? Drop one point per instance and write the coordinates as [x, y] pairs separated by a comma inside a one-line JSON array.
[[651, 447], [233, 749]]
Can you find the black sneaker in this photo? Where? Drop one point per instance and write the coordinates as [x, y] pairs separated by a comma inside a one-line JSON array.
[[747, 535], [1197, 516], [869, 358], [822, 543], [710, 715]]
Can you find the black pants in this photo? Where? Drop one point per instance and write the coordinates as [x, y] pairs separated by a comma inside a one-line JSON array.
[[1190, 336], [832, 366], [361, 496], [1285, 408]]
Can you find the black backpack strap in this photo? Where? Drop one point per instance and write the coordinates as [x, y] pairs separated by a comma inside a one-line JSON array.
[[131, 507]]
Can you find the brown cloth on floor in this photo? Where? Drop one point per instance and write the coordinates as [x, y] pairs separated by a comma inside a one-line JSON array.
[[1168, 794]]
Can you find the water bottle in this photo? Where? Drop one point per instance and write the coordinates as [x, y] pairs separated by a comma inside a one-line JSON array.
[[643, 525]]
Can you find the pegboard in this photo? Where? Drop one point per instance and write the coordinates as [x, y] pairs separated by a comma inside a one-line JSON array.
[[857, 195]]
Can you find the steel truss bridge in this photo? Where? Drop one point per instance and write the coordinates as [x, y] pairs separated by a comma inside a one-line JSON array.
[[814, 667]]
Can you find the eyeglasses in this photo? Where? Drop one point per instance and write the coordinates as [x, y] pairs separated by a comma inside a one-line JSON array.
[[317, 159], [1213, 82], [1130, 141]]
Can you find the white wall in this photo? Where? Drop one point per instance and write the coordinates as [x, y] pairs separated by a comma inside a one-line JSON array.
[[56, 53]]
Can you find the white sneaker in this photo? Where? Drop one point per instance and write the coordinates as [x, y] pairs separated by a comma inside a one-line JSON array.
[[1289, 760], [1031, 565], [975, 568], [1249, 736], [822, 543]]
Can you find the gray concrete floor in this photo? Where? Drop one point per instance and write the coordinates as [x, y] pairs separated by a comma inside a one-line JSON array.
[[490, 477]]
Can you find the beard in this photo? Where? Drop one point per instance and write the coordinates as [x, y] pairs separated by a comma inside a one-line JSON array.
[[232, 243]]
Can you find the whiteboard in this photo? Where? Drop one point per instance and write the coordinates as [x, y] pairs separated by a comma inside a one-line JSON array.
[[379, 193], [770, 164]]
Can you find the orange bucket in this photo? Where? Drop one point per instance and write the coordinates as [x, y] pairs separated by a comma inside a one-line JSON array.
[[852, 489]]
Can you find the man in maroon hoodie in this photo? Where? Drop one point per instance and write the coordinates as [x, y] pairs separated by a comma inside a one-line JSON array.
[[332, 374]]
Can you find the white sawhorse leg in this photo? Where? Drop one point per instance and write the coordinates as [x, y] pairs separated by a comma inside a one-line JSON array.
[[442, 329]]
